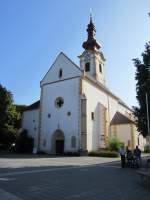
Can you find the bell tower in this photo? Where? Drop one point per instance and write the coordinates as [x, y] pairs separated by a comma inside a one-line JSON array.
[[92, 59]]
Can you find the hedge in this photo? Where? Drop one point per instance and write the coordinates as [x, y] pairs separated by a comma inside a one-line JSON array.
[[104, 153]]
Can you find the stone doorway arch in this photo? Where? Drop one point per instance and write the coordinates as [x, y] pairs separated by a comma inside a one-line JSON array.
[[58, 141]]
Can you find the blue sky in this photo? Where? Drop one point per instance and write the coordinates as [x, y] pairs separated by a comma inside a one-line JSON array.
[[33, 32]]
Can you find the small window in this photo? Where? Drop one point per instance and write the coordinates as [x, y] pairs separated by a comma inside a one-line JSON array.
[[49, 115], [92, 116], [68, 113], [87, 67], [73, 142], [100, 68], [60, 73]]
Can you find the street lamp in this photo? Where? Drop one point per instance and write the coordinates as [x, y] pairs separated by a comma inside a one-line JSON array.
[[147, 110]]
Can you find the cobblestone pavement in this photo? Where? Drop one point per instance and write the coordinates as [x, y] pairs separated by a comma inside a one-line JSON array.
[[68, 178]]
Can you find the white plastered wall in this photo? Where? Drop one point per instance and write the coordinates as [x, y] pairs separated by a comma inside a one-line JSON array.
[[123, 133], [30, 121], [69, 91], [94, 96]]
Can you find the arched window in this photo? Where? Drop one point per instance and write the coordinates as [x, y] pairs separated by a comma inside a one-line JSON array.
[[92, 116], [73, 142], [87, 67], [100, 68], [60, 73]]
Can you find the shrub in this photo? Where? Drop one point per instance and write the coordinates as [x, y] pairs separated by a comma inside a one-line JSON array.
[[7, 137], [114, 144], [24, 143], [104, 153]]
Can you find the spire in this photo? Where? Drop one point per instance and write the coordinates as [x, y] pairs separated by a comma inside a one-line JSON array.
[[91, 43]]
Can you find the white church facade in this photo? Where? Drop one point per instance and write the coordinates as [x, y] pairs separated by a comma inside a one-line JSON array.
[[76, 111]]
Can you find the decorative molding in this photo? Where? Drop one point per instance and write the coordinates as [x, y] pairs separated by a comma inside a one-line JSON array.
[[83, 113], [132, 136], [79, 112], [104, 129], [40, 119], [61, 80], [114, 130]]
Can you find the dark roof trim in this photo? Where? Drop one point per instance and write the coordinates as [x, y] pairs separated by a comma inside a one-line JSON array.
[[123, 104], [66, 79], [100, 85], [119, 118], [35, 105], [104, 88]]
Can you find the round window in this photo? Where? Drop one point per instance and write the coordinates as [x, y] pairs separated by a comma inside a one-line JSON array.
[[59, 102]]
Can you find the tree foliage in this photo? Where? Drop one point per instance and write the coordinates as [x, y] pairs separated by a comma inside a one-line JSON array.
[[20, 109], [8, 117], [114, 144], [142, 78]]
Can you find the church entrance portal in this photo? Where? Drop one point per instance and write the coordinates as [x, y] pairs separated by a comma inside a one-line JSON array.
[[58, 142], [59, 147]]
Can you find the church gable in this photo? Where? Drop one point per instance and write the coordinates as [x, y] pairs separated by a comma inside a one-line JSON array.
[[62, 68]]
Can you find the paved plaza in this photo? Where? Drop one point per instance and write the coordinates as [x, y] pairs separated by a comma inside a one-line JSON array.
[[24, 177]]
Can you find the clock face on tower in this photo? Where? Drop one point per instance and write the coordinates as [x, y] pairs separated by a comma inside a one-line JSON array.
[[87, 56]]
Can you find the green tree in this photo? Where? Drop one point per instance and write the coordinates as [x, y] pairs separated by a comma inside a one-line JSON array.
[[8, 117], [142, 77], [20, 109]]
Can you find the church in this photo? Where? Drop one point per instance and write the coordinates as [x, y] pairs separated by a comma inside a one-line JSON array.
[[76, 111]]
